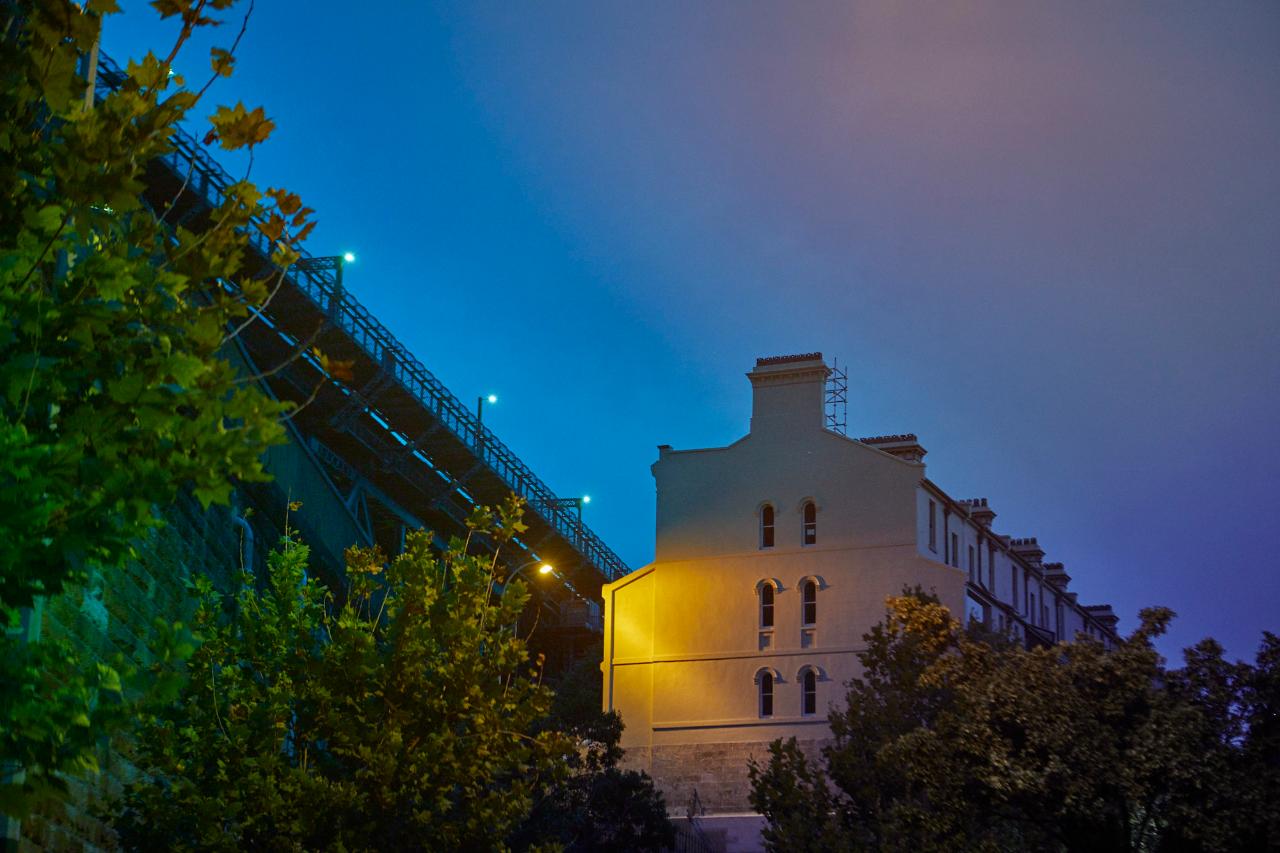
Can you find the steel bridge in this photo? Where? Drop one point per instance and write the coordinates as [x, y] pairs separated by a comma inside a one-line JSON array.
[[393, 444]]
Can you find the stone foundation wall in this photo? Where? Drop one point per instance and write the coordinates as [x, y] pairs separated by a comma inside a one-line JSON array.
[[712, 775]]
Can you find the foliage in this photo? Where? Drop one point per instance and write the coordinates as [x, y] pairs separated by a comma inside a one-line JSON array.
[[113, 394], [597, 805], [949, 742], [402, 718], [57, 707], [111, 389], [53, 712]]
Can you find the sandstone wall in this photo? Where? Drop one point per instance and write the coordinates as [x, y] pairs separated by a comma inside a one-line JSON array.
[[712, 775]]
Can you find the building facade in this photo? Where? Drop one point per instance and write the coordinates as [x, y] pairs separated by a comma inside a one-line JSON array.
[[774, 555]]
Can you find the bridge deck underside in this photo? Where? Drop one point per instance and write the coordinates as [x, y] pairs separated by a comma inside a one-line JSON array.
[[391, 424]]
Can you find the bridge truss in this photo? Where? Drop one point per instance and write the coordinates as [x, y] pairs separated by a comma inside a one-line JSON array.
[[397, 446]]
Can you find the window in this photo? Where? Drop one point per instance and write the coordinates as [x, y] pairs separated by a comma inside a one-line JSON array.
[[991, 569], [946, 537], [809, 693], [971, 575], [810, 529], [933, 527], [766, 526], [766, 605], [809, 602], [1031, 608], [766, 693], [1013, 577], [955, 550]]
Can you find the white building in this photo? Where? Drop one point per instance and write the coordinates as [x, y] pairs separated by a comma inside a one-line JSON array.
[[774, 556]]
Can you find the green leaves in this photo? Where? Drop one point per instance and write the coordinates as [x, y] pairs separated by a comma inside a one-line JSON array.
[[221, 61], [45, 220], [402, 718], [112, 327], [238, 127], [115, 393]]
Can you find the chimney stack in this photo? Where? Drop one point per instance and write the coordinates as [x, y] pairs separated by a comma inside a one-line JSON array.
[[1104, 614], [1028, 549], [980, 512], [1056, 575], [788, 393], [905, 446]]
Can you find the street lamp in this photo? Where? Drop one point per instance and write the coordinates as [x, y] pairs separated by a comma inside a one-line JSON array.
[[544, 568], [328, 263], [480, 401]]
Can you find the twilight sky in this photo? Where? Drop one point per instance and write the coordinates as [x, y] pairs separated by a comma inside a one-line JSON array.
[[1044, 237]]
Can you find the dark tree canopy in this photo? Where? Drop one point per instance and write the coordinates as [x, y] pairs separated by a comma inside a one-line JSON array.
[[598, 806], [949, 741]]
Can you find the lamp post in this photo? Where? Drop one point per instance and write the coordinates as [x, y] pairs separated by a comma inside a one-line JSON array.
[[480, 401], [334, 263], [551, 505], [544, 568]]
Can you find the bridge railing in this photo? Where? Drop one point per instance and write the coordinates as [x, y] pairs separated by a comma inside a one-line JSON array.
[[205, 176]]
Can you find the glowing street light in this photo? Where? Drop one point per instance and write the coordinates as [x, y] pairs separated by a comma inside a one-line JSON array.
[[492, 398], [586, 499], [543, 569], [349, 257]]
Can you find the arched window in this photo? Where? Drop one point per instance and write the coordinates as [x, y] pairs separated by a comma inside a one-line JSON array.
[[809, 602], [766, 605], [809, 692], [766, 693], [809, 532], [766, 526]]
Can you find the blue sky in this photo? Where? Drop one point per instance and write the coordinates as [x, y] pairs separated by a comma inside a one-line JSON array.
[[1045, 238]]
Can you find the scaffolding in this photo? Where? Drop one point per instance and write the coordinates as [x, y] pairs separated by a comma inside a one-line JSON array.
[[837, 398]]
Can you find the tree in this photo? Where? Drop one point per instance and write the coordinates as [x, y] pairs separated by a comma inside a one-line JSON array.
[[114, 396], [952, 742], [597, 805], [401, 718]]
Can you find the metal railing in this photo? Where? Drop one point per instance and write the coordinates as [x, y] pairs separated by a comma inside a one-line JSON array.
[[203, 175]]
